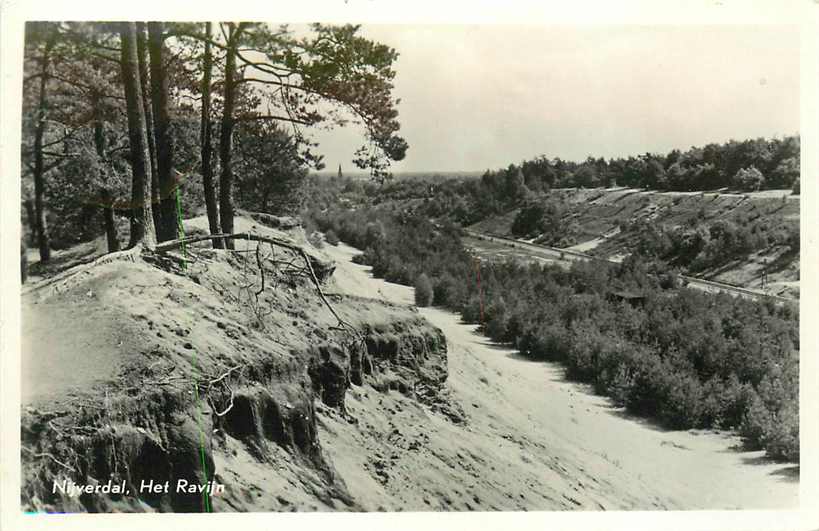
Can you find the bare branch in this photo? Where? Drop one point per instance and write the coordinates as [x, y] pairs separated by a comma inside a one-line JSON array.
[[64, 138], [167, 246], [272, 117]]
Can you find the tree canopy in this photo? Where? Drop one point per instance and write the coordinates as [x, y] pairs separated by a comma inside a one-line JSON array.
[[259, 90]]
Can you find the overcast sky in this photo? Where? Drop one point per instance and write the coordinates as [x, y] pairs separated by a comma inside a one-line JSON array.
[[478, 97]]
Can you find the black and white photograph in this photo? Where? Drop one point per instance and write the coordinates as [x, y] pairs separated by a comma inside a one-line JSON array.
[[273, 266]]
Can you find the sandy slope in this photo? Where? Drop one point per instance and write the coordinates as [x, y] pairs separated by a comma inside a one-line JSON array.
[[598, 213], [532, 441]]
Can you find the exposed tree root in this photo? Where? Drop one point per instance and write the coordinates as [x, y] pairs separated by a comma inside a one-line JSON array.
[[46, 454], [223, 376], [130, 255], [167, 246]]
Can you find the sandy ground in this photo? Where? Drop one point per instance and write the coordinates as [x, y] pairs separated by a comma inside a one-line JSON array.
[[589, 245], [532, 441], [73, 341], [72, 350]]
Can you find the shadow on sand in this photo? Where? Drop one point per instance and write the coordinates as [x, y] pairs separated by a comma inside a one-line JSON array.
[[788, 471]]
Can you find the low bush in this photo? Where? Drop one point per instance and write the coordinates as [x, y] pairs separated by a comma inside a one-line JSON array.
[[331, 238], [423, 290]]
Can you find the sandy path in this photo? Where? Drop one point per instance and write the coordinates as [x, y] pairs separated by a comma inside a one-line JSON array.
[[566, 439]]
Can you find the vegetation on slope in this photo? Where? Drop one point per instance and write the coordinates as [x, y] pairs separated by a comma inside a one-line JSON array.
[[697, 233], [688, 359]]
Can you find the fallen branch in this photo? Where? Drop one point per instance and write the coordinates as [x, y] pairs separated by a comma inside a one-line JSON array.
[[318, 287], [298, 250], [164, 381], [174, 244], [228, 387], [63, 276]]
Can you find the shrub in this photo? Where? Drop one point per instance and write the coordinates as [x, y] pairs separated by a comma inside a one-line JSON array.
[[423, 290], [620, 385], [316, 240], [749, 179], [782, 438], [681, 403], [772, 419], [331, 237], [448, 291], [471, 310], [497, 320], [540, 218]]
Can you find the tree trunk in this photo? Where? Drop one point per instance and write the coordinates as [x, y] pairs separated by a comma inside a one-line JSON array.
[[168, 224], [266, 200], [31, 218], [40, 226], [86, 222], [110, 222], [226, 136], [105, 194], [207, 145], [142, 53], [142, 222], [23, 263]]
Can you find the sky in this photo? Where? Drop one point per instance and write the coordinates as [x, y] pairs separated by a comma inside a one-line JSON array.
[[482, 97]]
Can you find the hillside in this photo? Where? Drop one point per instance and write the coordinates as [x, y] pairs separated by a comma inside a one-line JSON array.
[[164, 368], [610, 223]]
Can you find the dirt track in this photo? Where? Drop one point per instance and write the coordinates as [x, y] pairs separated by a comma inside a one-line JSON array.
[[536, 441], [544, 253]]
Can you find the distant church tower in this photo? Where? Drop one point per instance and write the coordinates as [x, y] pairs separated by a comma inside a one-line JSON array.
[[339, 172]]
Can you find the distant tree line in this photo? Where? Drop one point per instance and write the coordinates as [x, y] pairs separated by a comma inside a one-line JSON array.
[[742, 166], [747, 165]]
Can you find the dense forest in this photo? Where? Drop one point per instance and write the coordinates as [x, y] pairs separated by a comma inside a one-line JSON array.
[[686, 358]]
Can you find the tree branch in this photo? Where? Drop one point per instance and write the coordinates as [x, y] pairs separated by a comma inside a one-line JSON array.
[[64, 138], [60, 155], [53, 165], [272, 117]]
